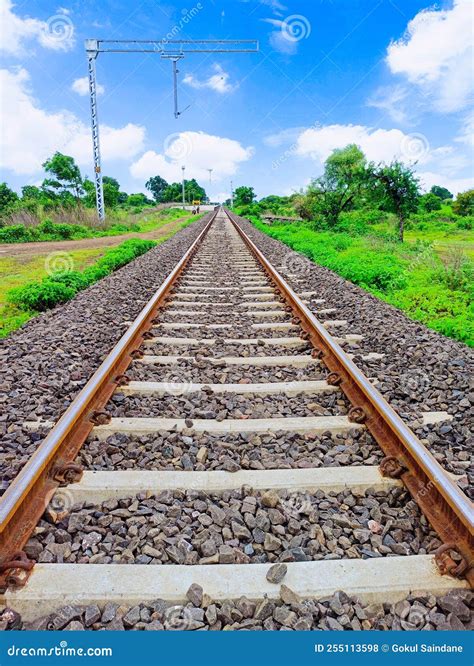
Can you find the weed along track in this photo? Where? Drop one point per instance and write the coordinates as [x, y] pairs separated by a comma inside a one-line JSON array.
[[229, 466]]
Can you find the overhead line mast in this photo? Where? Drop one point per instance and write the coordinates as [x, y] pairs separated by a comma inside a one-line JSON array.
[[173, 50]]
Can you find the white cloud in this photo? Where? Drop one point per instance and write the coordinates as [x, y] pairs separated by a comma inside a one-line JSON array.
[[219, 81], [81, 87], [467, 130], [278, 38], [384, 145], [435, 54], [391, 99], [283, 137], [31, 134], [454, 185], [379, 145], [198, 151], [56, 33]]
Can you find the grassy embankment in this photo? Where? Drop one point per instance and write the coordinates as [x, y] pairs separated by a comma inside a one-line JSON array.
[[26, 271], [429, 277], [120, 222]]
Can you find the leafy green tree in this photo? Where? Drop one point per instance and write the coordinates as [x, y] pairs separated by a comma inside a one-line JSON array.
[[66, 178], [8, 198], [397, 189], [31, 192], [192, 191], [339, 189], [157, 185], [244, 195], [441, 192], [429, 202], [113, 182], [89, 193], [111, 189], [138, 199], [464, 204]]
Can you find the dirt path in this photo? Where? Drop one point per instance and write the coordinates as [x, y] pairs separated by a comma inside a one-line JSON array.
[[33, 249]]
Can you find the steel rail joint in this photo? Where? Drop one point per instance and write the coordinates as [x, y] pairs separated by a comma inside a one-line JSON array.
[[447, 508], [30, 492]]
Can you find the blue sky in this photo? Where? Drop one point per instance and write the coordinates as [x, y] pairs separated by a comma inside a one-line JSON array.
[[394, 76]]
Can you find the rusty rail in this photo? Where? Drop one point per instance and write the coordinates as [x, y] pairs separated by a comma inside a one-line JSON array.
[[447, 508], [25, 500]]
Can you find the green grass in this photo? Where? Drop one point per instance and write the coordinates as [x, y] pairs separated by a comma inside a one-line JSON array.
[[119, 223], [18, 272], [431, 283]]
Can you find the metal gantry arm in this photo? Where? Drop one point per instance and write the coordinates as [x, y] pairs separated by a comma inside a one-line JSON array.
[[174, 50]]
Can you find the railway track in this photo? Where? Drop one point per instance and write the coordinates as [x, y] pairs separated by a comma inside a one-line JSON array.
[[229, 445]]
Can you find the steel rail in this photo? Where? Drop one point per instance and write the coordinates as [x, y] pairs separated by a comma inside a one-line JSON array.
[[25, 500], [447, 508]]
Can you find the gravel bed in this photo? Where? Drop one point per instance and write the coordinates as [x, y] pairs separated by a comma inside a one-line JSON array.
[[418, 612], [422, 370], [207, 405], [188, 451], [221, 350], [241, 526], [44, 364], [207, 372], [235, 331]]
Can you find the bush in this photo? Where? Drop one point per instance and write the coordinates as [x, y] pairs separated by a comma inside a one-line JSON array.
[[17, 233], [40, 296], [59, 288]]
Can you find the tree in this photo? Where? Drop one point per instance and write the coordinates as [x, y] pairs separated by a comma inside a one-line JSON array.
[[111, 189], [138, 199], [113, 182], [429, 202], [397, 189], [192, 191], [441, 192], [339, 189], [464, 204], [7, 198], [67, 178], [31, 192], [157, 185], [244, 195]]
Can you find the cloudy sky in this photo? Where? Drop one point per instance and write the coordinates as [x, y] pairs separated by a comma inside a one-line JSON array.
[[393, 76]]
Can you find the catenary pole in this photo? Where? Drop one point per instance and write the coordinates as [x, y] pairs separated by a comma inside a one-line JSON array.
[[165, 48]]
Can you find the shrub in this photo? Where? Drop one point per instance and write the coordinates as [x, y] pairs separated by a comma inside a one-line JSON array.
[[73, 279], [17, 233], [40, 296], [59, 288]]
